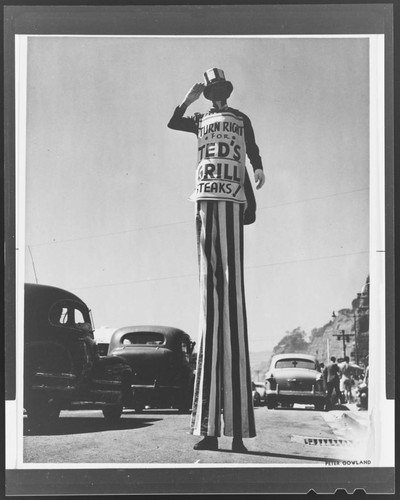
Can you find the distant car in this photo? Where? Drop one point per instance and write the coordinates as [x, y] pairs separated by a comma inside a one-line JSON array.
[[259, 393], [162, 363], [62, 367], [295, 378], [102, 337]]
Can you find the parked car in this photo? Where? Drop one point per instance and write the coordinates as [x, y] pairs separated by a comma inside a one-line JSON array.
[[295, 378], [102, 336], [62, 368], [162, 363], [259, 393]]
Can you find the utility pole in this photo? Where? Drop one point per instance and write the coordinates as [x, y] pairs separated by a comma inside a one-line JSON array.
[[328, 353], [362, 309], [355, 337], [344, 337]]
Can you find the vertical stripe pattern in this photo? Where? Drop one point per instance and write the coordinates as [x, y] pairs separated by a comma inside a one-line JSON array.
[[223, 377]]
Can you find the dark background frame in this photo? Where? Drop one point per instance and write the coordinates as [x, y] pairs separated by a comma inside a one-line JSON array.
[[160, 18]]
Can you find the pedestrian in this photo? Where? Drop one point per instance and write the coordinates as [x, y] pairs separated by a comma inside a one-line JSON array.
[[346, 380], [331, 375], [224, 203]]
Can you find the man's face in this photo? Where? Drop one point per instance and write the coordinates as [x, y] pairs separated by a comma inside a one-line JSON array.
[[218, 92]]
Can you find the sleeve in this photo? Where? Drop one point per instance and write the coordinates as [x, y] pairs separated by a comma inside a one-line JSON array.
[[252, 149], [185, 124]]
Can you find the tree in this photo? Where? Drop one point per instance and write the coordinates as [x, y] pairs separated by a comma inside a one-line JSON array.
[[292, 342]]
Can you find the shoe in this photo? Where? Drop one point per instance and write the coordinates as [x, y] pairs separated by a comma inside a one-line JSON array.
[[207, 443], [238, 446]]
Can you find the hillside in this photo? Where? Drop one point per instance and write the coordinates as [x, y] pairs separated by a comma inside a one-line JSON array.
[[353, 322], [259, 362]]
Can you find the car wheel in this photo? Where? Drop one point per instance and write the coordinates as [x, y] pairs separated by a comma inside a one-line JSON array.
[[112, 413], [271, 404], [42, 412], [186, 399], [287, 405], [320, 406]]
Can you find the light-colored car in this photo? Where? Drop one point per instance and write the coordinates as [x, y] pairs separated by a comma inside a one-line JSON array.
[[295, 378], [259, 394]]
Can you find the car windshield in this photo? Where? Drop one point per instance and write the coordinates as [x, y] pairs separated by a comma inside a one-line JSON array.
[[295, 363], [143, 338]]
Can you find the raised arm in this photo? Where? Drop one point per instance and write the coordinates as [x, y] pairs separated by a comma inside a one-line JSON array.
[[178, 121]]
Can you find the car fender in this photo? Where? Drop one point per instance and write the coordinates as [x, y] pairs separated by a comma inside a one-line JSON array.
[[48, 356]]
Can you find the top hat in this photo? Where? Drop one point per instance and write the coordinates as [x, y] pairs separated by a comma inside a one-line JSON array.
[[213, 77]]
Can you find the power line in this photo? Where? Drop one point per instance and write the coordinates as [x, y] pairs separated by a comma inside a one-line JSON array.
[[313, 199], [170, 224], [143, 228], [146, 280], [308, 260]]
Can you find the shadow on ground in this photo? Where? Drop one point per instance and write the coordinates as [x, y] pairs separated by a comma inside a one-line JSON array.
[[85, 425], [339, 407], [294, 456]]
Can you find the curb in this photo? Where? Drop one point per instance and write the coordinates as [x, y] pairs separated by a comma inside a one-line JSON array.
[[353, 419]]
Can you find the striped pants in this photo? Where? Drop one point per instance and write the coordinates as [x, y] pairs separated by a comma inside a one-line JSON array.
[[223, 379]]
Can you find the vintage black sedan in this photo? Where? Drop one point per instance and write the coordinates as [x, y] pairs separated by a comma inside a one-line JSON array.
[[62, 367], [295, 378], [162, 362]]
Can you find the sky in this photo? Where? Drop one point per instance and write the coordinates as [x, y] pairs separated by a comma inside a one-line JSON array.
[[107, 214]]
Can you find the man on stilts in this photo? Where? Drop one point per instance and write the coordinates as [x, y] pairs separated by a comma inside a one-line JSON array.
[[224, 203]]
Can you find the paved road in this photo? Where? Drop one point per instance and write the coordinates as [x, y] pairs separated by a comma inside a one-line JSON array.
[[298, 436]]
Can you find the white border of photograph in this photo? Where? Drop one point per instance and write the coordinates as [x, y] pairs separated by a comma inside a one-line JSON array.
[[381, 411]]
